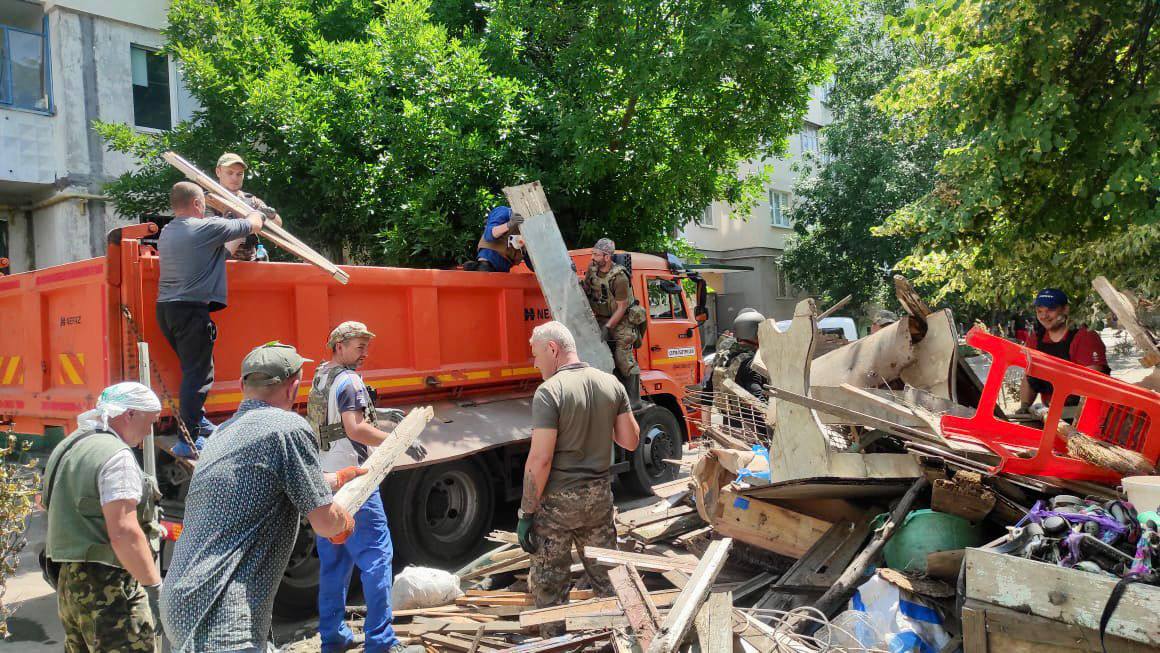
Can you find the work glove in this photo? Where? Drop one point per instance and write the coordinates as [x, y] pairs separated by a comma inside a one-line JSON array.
[[605, 333], [347, 474], [347, 529], [515, 222], [417, 451], [525, 535], [153, 595]]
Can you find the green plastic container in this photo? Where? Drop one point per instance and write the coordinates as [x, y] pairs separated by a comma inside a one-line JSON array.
[[923, 532]]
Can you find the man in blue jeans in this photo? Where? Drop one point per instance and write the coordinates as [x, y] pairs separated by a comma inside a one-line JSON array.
[[192, 284], [343, 417]]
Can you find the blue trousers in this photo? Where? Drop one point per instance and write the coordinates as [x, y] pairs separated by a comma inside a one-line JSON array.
[[368, 547]]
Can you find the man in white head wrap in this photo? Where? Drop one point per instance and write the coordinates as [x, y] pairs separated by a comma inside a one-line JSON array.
[[102, 526]]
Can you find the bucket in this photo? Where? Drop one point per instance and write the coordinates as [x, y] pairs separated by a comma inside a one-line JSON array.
[[1143, 492], [923, 532]]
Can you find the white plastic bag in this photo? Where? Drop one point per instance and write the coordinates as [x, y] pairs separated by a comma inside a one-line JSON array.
[[906, 622], [423, 587]]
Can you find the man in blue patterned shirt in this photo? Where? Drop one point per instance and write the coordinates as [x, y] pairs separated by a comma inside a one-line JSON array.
[[252, 484]]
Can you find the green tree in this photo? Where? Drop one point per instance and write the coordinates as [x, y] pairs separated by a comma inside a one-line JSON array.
[[19, 483], [869, 169], [1049, 108], [371, 128]]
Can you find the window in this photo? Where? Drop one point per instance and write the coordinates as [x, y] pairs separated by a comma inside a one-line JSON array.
[[778, 208], [707, 219], [782, 287], [809, 138], [665, 300], [150, 88], [24, 74]]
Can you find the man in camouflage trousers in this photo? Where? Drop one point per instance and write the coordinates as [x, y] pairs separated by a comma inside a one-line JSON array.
[[577, 413], [609, 291], [102, 528]]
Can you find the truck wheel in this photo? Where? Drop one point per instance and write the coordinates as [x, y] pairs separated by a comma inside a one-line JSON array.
[[297, 596], [439, 514], [660, 438]]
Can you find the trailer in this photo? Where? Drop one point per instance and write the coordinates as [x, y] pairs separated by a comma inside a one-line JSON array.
[[452, 339]]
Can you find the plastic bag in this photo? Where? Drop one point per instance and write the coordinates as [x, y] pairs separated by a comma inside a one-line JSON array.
[[906, 622], [423, 587]]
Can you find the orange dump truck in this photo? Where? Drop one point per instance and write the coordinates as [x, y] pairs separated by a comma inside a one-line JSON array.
[[457, 340]]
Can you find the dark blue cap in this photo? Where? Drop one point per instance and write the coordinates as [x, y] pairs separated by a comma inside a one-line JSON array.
[[1051, 298]]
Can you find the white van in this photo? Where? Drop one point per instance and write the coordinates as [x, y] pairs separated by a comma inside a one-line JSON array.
[[837, 326]]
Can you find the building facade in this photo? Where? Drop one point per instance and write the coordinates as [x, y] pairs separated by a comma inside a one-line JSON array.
[[63, 65], [758, 239]]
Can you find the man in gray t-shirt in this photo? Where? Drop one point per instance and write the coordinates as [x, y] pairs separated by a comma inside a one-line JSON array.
[[192, 284]]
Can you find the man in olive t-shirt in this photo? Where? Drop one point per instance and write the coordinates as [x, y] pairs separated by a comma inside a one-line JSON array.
[[577, 413]]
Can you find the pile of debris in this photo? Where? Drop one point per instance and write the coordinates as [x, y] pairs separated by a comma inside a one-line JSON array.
[[881, 500]]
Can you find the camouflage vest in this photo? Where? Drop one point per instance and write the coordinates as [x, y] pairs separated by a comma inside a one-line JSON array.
[[326, 431], [598, 287]]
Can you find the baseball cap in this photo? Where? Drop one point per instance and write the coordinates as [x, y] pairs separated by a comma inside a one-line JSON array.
[[229, 158], [1051, 298], [885, 318], [346, 331], [275, 360]]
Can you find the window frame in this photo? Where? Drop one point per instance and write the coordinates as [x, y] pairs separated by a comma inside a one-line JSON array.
[[171, 90], [680, 301], [815, 138], [707, 219], [783, 205], [46, 67]]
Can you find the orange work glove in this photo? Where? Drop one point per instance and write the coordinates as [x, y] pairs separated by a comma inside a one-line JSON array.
[[347, 528], [348, 474]]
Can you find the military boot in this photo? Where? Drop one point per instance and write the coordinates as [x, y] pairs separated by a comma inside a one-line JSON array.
[[632, 385]]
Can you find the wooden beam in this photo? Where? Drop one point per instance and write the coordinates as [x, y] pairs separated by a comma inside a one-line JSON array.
[[766, 525], [355, 493], [645, 561], [714, 623], [570, 642], [684, 610], [555, 613], [1126, 314], [638, 609]]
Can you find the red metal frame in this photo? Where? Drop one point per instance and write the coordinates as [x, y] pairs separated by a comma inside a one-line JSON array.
[[1111, 410]]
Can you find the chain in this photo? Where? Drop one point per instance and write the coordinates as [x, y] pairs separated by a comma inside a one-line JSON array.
[[165, 394]]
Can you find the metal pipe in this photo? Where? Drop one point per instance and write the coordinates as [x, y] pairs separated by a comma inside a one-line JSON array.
[[64, 197]]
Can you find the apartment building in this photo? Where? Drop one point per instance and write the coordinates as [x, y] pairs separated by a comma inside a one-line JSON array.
[[63, 65], [758, 239]]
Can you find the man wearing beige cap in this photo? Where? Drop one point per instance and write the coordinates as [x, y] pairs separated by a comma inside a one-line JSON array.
[[342, 413], [231, 173], [254, 482]]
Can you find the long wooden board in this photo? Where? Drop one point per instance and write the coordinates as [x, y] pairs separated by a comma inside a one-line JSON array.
[[355, 493], [661, 599]]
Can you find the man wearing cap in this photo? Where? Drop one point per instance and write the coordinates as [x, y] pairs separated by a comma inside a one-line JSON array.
[[192, 284], [253, 483], [231, 173], [494, 252], [609, 292], [342, 414], [1053, 334], [882, 319], [102, 526]]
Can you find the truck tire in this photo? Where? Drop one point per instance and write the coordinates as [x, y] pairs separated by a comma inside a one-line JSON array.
[[660, 438], [439, 514], [297, 596]]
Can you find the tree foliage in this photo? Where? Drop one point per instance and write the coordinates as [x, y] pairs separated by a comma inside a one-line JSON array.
[[389, 127], [18, 487], [870, 168], [1049, 110]]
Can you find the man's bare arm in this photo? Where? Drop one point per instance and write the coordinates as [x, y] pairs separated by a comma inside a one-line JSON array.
[[537, 468], [129, 542], [618, 314], [329, 520], [626, 431], [357, 428]]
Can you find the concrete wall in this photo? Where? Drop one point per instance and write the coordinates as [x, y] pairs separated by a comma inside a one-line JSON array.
[[53, 166], [751, 239]]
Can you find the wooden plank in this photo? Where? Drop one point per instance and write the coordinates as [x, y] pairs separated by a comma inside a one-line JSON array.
[[644, 561], [640, 612], [668, 528], [355, 493], [1126, 314], [652, 513], [445, 626], [945, 564], [974, 631], [596, 622], [766, 525], [514, 598], [1004, 626], [1066, 595], [714, 623], [447, 642], [661, 599], [688, 603], [569, 642]]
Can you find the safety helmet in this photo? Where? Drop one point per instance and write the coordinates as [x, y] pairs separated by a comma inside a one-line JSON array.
[[746, 323]]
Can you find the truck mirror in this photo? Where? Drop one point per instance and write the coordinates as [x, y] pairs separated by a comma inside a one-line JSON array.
[[701, 314]]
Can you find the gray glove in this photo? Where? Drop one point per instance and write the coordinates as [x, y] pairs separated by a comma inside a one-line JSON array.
[[417, 451], [605, 333], [516, 220], [153, 595]]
